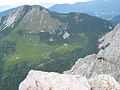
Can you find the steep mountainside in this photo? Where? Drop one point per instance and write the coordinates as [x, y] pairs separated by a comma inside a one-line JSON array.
[[35, 38], [116, 19], [99, 8], [107, 61]]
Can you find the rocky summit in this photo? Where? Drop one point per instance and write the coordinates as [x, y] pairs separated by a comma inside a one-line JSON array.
[[38, 80], [107, 61]]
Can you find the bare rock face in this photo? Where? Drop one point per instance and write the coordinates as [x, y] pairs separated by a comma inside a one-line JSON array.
[[13, 18], [1, 21], [104, 82], [38, 80], [91, 66], [112, 41], [107, 61]]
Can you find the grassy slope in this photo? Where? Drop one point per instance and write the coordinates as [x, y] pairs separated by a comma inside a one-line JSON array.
[[31, 50]]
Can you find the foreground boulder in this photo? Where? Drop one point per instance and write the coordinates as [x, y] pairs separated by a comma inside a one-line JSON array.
[[38, 80], [104, 82]]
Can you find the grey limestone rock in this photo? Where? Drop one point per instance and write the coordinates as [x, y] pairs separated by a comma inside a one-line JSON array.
[[107, 61]]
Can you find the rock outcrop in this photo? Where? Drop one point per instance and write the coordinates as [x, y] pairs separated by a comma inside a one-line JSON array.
[[38, 80], [107, 61], [12, 18], [104, 82]]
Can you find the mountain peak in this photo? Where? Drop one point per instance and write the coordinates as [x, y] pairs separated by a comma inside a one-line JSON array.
[[17, 15]]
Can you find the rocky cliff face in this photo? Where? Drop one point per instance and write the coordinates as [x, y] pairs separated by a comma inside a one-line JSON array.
[[107, 61], [10, 20], [103, 82], [38, 80]]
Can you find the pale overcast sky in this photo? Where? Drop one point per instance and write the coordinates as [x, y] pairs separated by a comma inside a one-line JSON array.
[[5, 4]]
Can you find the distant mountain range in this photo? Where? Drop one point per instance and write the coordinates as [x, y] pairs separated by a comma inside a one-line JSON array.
[[32, 37], [99, 8], [116, 19]]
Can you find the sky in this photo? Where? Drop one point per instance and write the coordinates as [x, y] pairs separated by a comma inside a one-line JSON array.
[[6, 4]]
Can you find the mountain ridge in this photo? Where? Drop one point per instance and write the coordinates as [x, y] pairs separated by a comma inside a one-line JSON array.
[[106, 11], [116, 19]]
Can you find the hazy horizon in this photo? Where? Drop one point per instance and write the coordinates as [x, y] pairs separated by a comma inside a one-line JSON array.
[[7, 4]]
